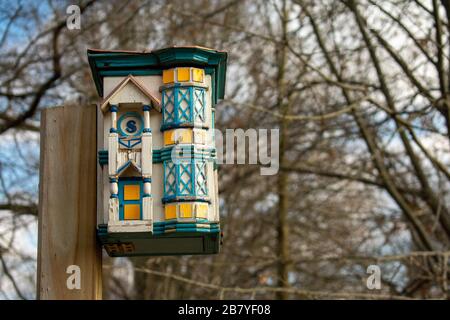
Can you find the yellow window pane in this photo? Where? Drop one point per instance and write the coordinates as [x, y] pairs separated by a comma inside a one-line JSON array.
[[170, 211], [177, 136], [202, 211], [183, 74], [197, 75], [168, 137], [168, 76], [131, 192], [185, 210], [185, 136], [131, 212]]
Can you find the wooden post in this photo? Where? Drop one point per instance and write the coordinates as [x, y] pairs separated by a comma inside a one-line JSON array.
[[67, 204]]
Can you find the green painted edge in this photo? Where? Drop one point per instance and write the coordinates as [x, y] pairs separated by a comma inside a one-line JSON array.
[[211, 241], [159, 155], [116, 63]]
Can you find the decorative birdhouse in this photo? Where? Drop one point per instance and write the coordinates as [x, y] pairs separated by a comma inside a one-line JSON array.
[[157, 179]]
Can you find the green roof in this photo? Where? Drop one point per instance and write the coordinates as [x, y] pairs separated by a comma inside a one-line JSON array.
[[111, 63]]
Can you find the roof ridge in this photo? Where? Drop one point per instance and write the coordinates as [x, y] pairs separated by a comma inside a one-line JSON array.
[[155, 101], [152, 51]]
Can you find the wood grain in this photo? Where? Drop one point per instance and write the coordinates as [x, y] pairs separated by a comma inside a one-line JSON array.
[[67, 203]]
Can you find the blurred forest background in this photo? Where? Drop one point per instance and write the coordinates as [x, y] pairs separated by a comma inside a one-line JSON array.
[[360, 91]]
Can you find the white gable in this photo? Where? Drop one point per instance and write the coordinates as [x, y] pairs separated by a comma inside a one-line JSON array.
[[130, 91], [130, 94]]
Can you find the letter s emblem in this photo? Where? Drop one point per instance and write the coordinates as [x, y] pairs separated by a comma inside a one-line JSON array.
[[131, 126]]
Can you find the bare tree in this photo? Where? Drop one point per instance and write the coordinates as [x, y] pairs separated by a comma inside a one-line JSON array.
[[360, 93]]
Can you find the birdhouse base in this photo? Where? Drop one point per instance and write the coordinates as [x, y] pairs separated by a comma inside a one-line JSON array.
[[172, 240]]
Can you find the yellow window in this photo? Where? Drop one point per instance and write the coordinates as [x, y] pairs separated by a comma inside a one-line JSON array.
[[202, 211], [131, 212], [177, 136], [185, 210], [131, 192], [170, 211], [168, 137], [168, 76], [197, 75], [184, 136], [183, 74]]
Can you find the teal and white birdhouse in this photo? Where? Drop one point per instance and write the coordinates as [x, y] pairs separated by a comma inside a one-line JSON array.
[[157, 179]]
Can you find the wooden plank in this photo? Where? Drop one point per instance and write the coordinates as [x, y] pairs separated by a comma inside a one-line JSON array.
[[67, 204]]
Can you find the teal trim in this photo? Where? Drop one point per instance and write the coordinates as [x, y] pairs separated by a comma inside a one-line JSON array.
[[183, 117], [184, 152], [170, 241], [102, 230], [201, 186], [213, 91], [189, 180], [129, 181], [124, 166], [213, 121], [164, 177], [201, 223], [123, 117], [124, 73], [177, 179], [117, 63], [103, 157], [159, 224], [189, 230], [185, 225], [173, 125], [129, 143], [172, 198], [194, 177], [160, 155]]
